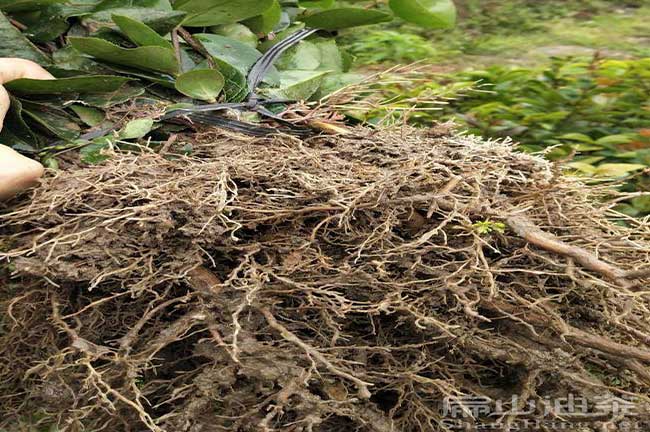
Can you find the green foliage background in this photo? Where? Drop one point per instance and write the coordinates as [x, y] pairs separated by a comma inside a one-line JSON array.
[[590, 110]]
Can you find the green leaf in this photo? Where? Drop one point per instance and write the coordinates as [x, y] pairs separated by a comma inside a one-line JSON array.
[[583, 167], [148, 58], [16, 131], [230, 51], [576, 137], [321, 4], [136, 129], [266, 22], [236, 87], [78, 8], [155, 77], [82, 84], [47, 25], [15, 44], [160, 20], [150, 4], [279, 37], [106, 100], [642, 203], [617, 169], [90, 116], [433, 14], [140, 33], [614, 140], [238, 32], [330, 55], [92, 153], [297, 85], [69, 59], [592, 160], [202, 84], [334, 82], [304, 56], [26, 5], [488, 227], [317, 54], [586, 147], [10, 139], [202, 13], [57, 123], [337, 19]]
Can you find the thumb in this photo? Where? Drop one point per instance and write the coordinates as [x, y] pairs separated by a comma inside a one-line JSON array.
[[4, 105], [12, 69], [16, 172], [16, 68]]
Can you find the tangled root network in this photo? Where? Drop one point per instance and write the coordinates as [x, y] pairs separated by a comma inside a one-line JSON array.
[[385, 280]]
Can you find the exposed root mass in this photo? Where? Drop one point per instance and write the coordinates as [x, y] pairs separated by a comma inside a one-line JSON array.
[[352, 283]]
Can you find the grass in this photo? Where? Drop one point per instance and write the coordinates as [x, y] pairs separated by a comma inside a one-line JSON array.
[[616, 35], [531, 38]]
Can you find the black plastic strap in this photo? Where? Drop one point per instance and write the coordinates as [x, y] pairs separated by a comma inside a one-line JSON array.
[[247, 128], [264, 63], [255, 76]]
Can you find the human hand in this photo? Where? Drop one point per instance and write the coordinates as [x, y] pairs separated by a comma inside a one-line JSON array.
[[16, 171]]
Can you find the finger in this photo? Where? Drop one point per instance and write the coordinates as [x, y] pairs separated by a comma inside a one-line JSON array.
[[4, 105], [12, 69], [17, 172], [15, 68]]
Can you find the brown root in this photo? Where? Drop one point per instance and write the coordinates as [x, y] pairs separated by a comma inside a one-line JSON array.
[[361, 282]]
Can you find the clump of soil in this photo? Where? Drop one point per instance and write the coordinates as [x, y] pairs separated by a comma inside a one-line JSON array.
[[354, 283]]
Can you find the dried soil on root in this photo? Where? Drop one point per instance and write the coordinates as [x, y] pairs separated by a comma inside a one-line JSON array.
[[336, 284]]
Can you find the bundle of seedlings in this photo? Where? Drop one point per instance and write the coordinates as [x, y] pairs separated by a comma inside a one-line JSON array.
[[382, 280]]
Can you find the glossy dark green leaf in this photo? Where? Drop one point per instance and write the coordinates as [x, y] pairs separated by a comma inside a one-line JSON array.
[[160, 20], [10, 139], [16, 131], [337, 19], [148, 58], [26, 5], [46, 25], [201, 84], [266, 22], [201, 13], [78, 7], [15, 44], [105, 100], [69, 59], [54, 122], [82, 84], [139, 33], [433, 14]]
